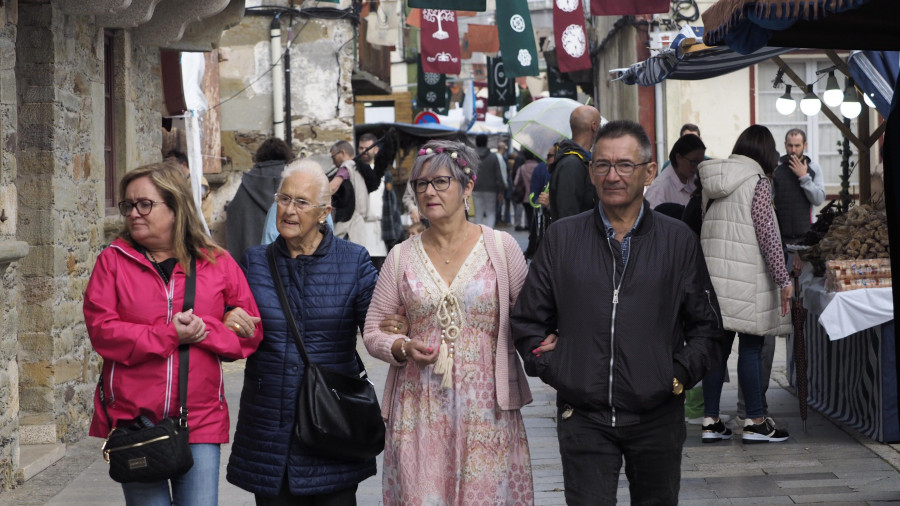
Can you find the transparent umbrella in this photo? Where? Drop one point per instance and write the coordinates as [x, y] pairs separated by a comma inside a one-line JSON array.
[[542, 123]]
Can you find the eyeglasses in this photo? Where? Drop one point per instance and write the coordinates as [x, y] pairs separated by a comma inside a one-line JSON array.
[[440, 183], [692, 162], [624, 169], [301, 204], [144, 206]]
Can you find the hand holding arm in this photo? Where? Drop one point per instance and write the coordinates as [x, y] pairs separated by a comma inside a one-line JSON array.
[[240, 322], [189, 327]]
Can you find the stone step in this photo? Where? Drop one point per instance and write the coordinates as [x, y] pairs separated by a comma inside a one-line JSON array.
[[37, 433], [34, 458]]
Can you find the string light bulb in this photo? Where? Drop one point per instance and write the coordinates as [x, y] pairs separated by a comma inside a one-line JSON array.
[[786, 104], [850, 107], [868, 100], [833, 95], [810, 104]]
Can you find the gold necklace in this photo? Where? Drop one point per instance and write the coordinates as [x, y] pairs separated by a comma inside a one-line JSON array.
[[455, 250]]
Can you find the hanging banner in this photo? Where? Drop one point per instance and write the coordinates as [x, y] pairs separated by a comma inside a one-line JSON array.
[[483, 38], [572, 51], [501, 87], [626, 7], [456, 5], [517, 38], [432, 89], [559, 85], [440, 42]]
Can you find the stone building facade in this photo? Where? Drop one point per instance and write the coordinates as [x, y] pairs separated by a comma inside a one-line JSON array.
[[80, 105]]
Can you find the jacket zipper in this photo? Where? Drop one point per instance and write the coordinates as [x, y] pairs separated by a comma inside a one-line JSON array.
[[612, 326], [713, 308]]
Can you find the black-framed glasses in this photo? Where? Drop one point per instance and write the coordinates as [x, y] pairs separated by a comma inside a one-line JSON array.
[[143, 206], [624, 169], [440, 183], [301, 204]]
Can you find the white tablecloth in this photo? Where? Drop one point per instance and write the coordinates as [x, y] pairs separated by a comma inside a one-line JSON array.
[[844, 313]]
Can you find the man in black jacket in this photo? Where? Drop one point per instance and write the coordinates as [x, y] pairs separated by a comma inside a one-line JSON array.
[[571, 191], [627, 292]]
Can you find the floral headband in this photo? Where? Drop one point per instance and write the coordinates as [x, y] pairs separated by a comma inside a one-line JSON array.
[[454, 156]]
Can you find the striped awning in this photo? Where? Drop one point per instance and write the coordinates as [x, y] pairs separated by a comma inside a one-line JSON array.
[[748, 25]]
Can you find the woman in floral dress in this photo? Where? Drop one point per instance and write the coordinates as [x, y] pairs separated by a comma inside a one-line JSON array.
[[451, 403]]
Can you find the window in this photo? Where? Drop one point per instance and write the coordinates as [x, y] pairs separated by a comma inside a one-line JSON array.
[[109, 143], [821, 135]]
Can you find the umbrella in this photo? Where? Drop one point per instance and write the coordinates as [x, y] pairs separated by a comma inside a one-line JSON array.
[[542, 123], [876, 73], [798, 318]]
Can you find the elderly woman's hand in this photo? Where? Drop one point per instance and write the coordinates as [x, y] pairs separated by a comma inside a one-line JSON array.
[[190, 328], [238, 321], [395, 324]]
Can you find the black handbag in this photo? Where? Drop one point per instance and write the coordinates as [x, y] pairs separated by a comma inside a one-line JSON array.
[[143, 452], [337, 415]]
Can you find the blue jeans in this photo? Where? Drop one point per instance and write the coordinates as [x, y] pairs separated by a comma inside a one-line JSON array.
[[749, 376], [197, 487], [592, 456]]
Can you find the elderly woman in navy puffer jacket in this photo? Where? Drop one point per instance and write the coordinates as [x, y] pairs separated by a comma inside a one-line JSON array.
[[329, 283]]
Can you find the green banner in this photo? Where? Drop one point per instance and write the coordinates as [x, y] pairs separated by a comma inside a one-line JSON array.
[[452, 5], [559, 84], [432, 90], [517, 43], [501, 87]]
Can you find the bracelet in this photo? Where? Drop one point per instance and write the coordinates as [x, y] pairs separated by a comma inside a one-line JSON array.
[[403, 348]]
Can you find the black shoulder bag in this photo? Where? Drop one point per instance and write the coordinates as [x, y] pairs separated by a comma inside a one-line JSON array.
[[144, 452], [337, 415]]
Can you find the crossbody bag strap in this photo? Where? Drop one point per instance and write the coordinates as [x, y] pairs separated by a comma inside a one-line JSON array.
[[285, 306], [190, 291]]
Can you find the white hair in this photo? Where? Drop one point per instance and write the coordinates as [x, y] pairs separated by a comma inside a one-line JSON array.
[[316, 175]]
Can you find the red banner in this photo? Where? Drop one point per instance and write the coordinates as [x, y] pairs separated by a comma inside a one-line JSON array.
[[626, 7], [484, 38], [440, 42], [572, 47]]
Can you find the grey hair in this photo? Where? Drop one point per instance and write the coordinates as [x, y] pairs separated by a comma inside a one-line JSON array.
[[621, 128], [316, 174], [444, 160]]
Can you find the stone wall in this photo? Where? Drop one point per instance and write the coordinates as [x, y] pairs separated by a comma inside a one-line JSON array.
[[62, 209], [322, 62], [9, 278]]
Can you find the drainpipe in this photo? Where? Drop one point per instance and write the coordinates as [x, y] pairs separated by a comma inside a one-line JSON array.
[[660, 124], [277, 76], [287, 83]]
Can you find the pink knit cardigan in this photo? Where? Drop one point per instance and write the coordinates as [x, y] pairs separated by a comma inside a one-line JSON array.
[[512, 385]]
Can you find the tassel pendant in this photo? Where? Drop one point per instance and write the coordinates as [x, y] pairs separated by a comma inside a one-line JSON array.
[[441, 365], [447, 382]]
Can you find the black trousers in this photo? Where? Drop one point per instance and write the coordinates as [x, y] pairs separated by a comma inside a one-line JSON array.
[[346, 497], [592, 457]]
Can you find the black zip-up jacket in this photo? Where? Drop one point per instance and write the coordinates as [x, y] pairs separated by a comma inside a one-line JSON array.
[[617, 359], [571, 190]]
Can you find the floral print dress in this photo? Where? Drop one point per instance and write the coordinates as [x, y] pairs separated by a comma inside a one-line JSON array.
[[454, 446]]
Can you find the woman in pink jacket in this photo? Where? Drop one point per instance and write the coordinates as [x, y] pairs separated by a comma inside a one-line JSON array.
[[132, 309], [455, 386]]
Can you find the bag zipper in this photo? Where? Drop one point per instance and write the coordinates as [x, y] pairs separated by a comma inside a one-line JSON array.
[[106, 452]]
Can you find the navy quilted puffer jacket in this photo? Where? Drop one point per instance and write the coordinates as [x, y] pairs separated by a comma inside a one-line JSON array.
[[329, 292]]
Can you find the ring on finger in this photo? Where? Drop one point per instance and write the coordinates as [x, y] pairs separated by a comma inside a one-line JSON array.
[[237, 326]]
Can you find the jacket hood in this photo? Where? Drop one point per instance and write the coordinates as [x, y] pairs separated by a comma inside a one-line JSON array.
[[570, 145], [482, 151], [721, 178], [261, 182]]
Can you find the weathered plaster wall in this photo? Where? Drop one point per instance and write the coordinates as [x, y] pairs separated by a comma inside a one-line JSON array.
[[322, 62]]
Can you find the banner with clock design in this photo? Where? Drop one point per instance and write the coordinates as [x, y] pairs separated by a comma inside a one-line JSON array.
[[440, 42], [456, 5], [572, 49], [517, 43], [626, 7], [431, 89]]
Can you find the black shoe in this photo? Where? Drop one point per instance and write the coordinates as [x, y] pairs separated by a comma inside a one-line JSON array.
[[714, 431], [762, 432], [520, 229]]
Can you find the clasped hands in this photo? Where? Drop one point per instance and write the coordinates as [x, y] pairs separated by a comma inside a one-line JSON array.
[[191, 329], [416, 350]]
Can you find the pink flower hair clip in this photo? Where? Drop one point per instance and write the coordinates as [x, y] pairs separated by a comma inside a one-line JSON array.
[[453, 155]]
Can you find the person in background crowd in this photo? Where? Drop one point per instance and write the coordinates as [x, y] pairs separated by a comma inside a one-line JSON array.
[[521, 185], [799, 185], [581, 325], [489, 188], [539, 201], [451, 403], [363, 226], [137, 284], [503, 205], [375, 216], [687, 128], [329, 283], [676, 185], [246, 220], [741, 241], [570, 185]]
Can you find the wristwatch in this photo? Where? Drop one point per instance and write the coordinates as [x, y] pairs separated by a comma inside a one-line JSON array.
[[677, 387]]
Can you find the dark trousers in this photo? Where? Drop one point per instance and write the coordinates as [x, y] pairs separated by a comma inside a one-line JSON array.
[[346, 497], [592, 457]]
